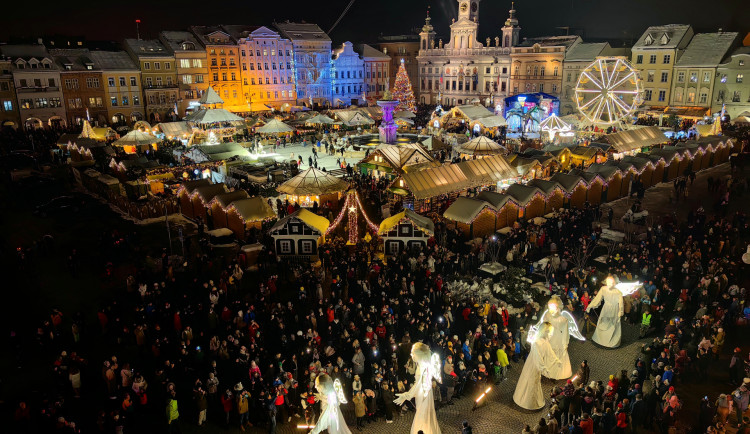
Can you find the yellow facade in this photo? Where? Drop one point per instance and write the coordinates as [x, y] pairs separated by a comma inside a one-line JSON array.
[[537, 64]]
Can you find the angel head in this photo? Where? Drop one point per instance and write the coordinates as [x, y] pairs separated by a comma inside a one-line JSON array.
[[546, 330], [555, 305], [610, 281], [420, 353], [324, 384]]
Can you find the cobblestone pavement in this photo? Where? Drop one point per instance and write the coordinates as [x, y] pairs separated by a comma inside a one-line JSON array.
[[498, 413]]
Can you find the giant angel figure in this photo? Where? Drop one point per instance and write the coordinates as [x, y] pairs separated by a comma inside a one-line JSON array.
[[608, 331], [541, 361], [564, 326], [331, 395], [428, 369]]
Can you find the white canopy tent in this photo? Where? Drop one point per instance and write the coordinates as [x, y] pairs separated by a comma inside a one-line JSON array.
[[275, 126]]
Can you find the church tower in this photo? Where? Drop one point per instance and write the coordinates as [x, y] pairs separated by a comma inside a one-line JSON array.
[[427, 36], [464, 30], [511, 30]]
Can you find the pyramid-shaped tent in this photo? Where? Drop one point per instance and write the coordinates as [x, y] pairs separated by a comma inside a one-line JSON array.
[[275, 126], [313, 182], [211, 97], [136, 138], [481, 146], [320, 119], [553, 124]]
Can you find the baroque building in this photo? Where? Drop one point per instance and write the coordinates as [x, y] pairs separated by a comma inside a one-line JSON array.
[[347, 76], [312, 62], [465, 70]]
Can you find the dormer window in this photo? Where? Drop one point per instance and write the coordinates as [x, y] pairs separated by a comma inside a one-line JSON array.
[[649, 39], [664, 39]]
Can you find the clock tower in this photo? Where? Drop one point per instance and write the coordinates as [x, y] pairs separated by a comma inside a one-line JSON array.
[[468, 9], [464, 30]]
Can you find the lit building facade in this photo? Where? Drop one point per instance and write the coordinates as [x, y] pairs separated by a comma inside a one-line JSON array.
[[311, 62], [191, 67], [266, 60], [224, 72], [654, 56], [400, 47], [82, 86], [695, 70], [37, 82], [464, 69], [576, 60], [537, 64], [376, 65], [347, 76], [158, 76], [123, 93], [731, 88], [9, 116]]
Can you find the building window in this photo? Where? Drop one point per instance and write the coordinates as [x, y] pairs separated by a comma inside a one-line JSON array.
[[8, 106], [54, 102], [26, 103], [678, 94], [662, 95], [111, 81], [187, 79], [231, 61], [667, 59], [555, 71], [652, 58], [664, 76], [223, 61], [113, 101], [723, 78], [92, 82], [184, 63], [647, 94], [739, 78], [167, 66], [554, 88], [736, 96], [133, 82], [157, 66], [541, 71], [681, 77], [213, 62], [693, 77], [147, 65], [639, 59], [704, 98], [125, 100], [691, 96], [706, 77], [136, 100], [568, 77], [650, 76], [541, 87]]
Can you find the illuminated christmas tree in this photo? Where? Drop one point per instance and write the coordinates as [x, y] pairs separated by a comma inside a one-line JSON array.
[[402, 91]]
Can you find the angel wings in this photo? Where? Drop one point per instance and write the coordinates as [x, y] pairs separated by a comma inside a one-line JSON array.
[[572, 327], [432, 372], [627, 288]]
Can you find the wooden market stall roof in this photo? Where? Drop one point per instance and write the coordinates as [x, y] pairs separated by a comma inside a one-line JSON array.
[[224, 200], [208, 192], [422, 222], [465, 209], [313, 182], [481, 146], [400, 156], [253, 209], [315, 221], [628, 140], [190, 186], [449, 178]]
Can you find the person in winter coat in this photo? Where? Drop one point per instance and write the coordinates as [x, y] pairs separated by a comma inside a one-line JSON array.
[[173, 414], [227, 401], [587, 424], [390, 407], [360, 409]]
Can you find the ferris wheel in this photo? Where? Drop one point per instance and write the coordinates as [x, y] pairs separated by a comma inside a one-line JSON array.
[[608, 90]]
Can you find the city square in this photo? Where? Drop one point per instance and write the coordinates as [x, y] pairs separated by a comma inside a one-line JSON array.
[[479, 217]]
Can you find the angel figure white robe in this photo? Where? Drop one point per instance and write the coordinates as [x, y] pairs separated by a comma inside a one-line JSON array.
[[425, 418], [540, 362], [331, 418], [608, 331], [559, 342]]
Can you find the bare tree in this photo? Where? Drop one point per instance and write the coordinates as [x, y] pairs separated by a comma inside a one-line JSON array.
[[579, 257]]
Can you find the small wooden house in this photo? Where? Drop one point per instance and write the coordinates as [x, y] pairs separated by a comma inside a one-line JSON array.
[[405, 230], [393, 160], [185, 192], [553, 192], [247, 213], [584, 156], [612, 178], [219, 206], [202, 197], [575, 189], [299, 233], [531, 200]]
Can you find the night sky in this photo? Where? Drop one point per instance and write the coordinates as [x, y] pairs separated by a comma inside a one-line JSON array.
[[593, 19]]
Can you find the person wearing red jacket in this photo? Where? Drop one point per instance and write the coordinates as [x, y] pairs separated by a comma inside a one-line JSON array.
[[227, 402], [587, 424], [622, 421]]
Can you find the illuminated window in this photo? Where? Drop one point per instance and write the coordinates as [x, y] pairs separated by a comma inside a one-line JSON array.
[[739, 78]]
